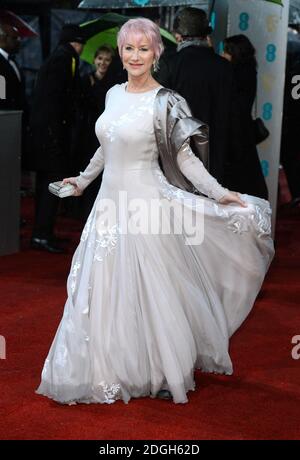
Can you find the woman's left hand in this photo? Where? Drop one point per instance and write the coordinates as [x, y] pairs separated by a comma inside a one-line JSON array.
[[232, 197]]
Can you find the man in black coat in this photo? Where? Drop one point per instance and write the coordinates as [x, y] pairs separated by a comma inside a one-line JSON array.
[[56, 94], [14, 85], [206, 81]]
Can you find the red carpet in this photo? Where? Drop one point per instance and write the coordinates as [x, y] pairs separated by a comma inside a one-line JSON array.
[[260, 401]]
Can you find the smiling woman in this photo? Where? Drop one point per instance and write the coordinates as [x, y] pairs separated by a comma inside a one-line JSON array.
[[102, 60], [140, 47], [147, 304]]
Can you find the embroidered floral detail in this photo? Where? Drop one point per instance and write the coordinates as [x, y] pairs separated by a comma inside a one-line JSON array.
[[135, 112], [76, 266], [169, 191], [239, 223], [262, 220], [111, 392], [106, 242], [87, 228]]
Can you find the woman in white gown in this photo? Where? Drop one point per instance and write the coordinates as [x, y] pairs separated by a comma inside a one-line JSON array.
[[146, 308]]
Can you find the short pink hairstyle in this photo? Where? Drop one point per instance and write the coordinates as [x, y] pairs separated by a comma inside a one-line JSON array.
[[141, 26]]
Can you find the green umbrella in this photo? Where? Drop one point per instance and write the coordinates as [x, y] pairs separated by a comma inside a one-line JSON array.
[[279, 2], [104, 31]]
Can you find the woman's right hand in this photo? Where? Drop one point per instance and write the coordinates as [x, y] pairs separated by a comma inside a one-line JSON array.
[[233, 197], [73, 181]]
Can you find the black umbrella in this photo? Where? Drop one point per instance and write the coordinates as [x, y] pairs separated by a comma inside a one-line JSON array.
[[98, 4]]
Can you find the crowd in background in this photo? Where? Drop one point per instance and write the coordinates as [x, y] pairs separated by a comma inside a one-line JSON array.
[[59, 132]]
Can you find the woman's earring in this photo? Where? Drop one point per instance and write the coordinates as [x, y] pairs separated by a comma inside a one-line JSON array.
[[155, 65]]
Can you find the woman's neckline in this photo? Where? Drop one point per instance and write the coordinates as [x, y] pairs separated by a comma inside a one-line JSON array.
[[141, 92]]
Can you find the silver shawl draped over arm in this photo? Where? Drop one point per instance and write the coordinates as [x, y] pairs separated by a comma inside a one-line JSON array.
[[174, 125]]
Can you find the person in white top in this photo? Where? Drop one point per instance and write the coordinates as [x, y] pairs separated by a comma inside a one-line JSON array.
[[146, 303]]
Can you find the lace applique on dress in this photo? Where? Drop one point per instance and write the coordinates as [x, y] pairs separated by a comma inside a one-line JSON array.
[[89, 226], [239, 223], [111, 392], [106, 242], [75, 268], [134, 113], [169, 191], [262, 220]]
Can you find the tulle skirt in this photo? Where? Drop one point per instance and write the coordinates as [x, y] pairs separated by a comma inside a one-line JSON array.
[[145, 309]]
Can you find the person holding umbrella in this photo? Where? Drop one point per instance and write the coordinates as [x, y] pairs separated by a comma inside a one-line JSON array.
[[147, 304]]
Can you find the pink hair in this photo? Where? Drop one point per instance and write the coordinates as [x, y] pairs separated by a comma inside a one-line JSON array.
[[141, 26]]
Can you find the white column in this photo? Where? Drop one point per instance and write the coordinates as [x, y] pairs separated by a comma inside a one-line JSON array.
[[265, 24]]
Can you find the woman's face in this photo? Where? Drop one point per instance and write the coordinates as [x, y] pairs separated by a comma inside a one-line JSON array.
[[102, 62], [137, 55]]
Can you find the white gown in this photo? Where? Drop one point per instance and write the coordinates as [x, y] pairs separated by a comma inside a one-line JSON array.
[[144, 310]]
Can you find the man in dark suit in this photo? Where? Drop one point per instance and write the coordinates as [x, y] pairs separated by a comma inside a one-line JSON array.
[[205, 80], [14, 87], [55, 101]]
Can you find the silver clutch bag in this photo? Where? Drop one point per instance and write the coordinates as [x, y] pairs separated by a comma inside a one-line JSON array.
[[60, 190]]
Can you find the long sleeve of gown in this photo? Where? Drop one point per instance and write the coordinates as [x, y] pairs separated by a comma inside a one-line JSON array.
[[96, 164], [193, 169], [92, 170]]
